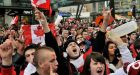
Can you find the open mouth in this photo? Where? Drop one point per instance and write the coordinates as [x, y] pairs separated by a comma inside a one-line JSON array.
[[74, 50], [99, 70]]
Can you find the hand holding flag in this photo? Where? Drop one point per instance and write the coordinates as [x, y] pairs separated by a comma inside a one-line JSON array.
[[43, 4], [39, 15], [42, 20]]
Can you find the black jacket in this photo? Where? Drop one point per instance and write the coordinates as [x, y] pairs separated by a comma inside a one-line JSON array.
[[64, 67]]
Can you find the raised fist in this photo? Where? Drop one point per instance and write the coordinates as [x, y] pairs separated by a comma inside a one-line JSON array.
[[6, 51]]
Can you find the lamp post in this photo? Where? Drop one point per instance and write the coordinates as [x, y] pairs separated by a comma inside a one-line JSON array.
[[134, 8], [112, 6]]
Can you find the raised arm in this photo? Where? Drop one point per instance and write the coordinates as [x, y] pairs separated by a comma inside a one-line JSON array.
[[6, 51], [124, 51], [51, 42], [100, 39], [49, 38]]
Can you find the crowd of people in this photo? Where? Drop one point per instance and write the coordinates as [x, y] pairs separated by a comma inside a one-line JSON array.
[[78, 48]]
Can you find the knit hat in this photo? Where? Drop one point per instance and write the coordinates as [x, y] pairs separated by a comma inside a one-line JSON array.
[[134, 68], [68, 42]]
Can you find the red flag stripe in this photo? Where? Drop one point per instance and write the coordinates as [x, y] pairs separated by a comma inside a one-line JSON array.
[[14, 20], [45, 4]]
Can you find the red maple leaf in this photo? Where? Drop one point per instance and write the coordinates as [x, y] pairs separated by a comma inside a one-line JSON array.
[[39, 31]]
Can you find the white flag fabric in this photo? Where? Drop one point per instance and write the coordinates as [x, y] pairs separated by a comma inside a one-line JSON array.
[[58, 20], [33, 34], [29, 69], [14, 20], [37, 34], [40, 2], [45, 4]]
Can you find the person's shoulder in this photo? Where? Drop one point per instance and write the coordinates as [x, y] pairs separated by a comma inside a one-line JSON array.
[[119, 71], [135, 66]]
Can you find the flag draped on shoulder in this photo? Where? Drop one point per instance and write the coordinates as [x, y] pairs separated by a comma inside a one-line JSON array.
[[44, 4]]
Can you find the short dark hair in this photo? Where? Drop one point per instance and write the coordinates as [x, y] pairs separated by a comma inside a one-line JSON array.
[[32, 46], [37, 56]]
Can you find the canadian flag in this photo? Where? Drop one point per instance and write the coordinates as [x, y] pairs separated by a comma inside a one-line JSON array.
[[45, 4], [14, 20], [33, 34]]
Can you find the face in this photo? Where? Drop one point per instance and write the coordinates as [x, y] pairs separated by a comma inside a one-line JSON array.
[[72, 31], [133, 36], [97, 68], [50, 60], [29, 55], [73, 50], [66, 23], [111, 49], [90, 29], [79, 39], [85, 34], [77, 22], [79, 31], [125, 39], [82, 47], [24, 20], [19, 45], [13, 33], [65, 33]]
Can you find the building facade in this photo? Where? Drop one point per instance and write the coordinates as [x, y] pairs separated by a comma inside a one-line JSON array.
[[11, 8], [125, 6]]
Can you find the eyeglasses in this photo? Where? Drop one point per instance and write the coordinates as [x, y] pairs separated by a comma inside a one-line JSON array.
[[28, 55]]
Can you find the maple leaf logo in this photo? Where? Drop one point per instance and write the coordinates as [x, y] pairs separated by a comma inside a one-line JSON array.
[[39, 31]]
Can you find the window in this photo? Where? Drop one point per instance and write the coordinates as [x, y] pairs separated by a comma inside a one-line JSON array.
[[1, 2]]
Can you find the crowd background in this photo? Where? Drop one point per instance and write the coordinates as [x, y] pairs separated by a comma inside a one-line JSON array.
[[73, 44]]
